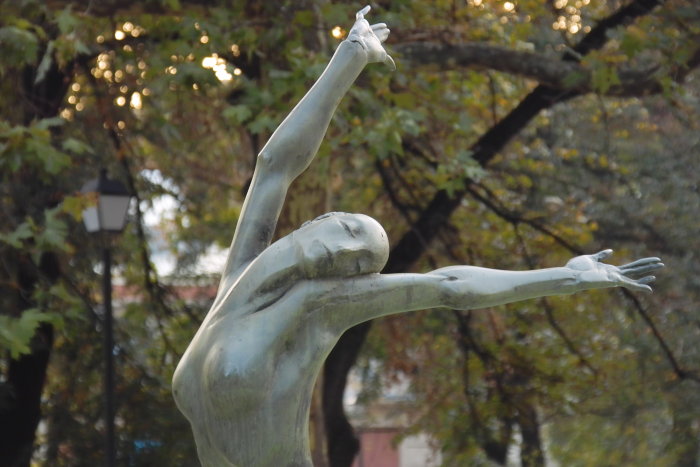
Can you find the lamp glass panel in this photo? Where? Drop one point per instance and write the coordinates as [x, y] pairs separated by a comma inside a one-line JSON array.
[[113, 212], [91, 219]]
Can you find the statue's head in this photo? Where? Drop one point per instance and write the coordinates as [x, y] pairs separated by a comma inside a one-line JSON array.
[[341, 245]]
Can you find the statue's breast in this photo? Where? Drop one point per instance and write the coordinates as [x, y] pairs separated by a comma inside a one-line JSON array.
[[240, 365]]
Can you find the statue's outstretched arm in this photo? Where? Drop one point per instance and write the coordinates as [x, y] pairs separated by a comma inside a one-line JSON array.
[[294, 144], [344, 303]]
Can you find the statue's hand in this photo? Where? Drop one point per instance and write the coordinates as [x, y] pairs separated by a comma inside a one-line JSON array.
[[594, 273], [371, 38]]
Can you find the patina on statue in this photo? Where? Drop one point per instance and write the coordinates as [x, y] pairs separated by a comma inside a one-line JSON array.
[[246, 379]]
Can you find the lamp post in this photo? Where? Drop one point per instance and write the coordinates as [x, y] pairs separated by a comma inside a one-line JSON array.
[[107, 216]]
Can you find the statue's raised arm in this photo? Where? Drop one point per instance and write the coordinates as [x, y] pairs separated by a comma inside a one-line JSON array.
[[294, 144], [246, 379]]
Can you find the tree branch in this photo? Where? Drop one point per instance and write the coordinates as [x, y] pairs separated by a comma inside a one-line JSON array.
[[441, 206], [556, 73]]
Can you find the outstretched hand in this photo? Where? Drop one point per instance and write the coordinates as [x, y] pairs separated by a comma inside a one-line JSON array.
[[371, 38], [595, 273]]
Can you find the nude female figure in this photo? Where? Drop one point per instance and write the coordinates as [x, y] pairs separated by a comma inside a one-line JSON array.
[[246, 379]]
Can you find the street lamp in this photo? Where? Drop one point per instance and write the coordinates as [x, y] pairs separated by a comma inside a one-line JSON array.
[[107, 215]]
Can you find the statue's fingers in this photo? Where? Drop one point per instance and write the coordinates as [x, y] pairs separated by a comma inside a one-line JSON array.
[[646, 280], [639, 285], [361, 14], [601, 255], [641, 262], [381, 31], [642, 269], [388, 61]]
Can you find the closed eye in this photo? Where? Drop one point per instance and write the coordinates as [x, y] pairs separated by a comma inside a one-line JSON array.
[[347, 229]]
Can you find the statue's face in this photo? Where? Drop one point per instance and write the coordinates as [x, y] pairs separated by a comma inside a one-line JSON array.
[[342, 245]]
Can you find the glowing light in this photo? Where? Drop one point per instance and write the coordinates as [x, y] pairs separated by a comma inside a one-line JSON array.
[[210, 61], [172, 70], [79, 106], [121, 124], [559, 4], [75, 87], [128, 26], [118, 75], [123, 89], [508, 6], [120, 101], [135, 102], [204, 39], [574, 28], [146, 92], [219, 66], [235, 50], [100, 39], [67, 114], [119, 35], [72, 99], [223, 75], [338, 32]]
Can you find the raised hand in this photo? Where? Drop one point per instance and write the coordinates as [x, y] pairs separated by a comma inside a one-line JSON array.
[[371, 38], [595, 273]]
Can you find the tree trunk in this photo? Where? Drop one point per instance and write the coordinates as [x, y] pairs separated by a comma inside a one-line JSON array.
[[531, 454], [20, 400], [20, 393], [343, 445]]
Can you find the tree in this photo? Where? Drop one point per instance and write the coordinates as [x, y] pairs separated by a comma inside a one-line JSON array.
[[533, 128]]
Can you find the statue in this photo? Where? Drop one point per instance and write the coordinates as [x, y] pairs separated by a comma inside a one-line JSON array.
[[246, 379]]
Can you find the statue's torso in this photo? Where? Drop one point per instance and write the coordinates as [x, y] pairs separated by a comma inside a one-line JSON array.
[[245, 383]]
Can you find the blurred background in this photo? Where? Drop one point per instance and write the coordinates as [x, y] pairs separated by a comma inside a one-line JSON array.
[[513, 135]]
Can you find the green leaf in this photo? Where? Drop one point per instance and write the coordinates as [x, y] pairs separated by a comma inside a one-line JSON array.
[[47, 123], [45, 63], [53, 235], [304, 18], [16, 333], [262, 123], [67, 21], [15, 238], [237, 114], [52, 159], [18, 46], [76, 146], [75, 205], [603, 78]]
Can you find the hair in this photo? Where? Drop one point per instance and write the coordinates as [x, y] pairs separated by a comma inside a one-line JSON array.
[[325, 216]]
